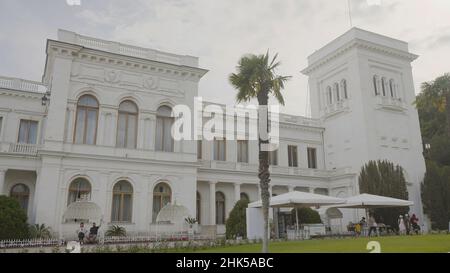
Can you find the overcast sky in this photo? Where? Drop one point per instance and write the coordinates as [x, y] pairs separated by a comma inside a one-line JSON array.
[[220, 32]]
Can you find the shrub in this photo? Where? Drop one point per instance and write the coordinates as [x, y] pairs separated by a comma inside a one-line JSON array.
[[13, 220], [236, 224], [40, 231], [116, 231], [306, 216]]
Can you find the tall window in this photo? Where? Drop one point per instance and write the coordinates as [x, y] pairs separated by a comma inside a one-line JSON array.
[[383, 85], [127, 125], [86, 121], [329, 95], [162, 195], [164, 121], [122, 204], [292, 156], [220, 149], [79, 189], [21, 193], [392, 87], [220, 208], [242, 146], [199, 208], [375, 85], [28, 131], [199, 149], [273, 157], [336, 91], [344, 88], [312, 158]]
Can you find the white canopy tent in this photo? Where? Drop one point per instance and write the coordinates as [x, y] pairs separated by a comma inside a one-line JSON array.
[[296, 199]]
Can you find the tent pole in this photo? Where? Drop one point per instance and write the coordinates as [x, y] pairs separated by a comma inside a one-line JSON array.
[[296, 219]]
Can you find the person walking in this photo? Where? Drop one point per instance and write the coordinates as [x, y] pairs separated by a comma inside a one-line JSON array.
[[401, 225], [407, 224], [415, 223], [372, 225]]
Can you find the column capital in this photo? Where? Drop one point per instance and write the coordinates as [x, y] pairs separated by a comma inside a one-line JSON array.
[[213, 182]]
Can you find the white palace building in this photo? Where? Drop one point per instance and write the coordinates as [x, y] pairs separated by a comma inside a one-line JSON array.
[[98, 128]]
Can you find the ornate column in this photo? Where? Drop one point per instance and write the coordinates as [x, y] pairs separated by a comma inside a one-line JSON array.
[[212, 202], [237, 192], [71, 108]]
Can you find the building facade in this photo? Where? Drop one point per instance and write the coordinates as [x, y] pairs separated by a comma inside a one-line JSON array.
[[98, 128]]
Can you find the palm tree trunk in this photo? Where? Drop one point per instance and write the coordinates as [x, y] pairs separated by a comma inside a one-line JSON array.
[[263, 171]]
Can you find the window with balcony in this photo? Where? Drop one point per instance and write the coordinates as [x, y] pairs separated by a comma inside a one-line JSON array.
[[344, 88], [164, 122], [337, 92], [122, 203], [384, 86], [220, 149], [28, 131], [79, 190], [127, 125], [86, 120], [242, 146], [292, 156], [312, 158], [329, 96]]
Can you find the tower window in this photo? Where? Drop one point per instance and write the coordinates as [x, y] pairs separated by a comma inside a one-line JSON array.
[[329, 96], [375, 85], [336, 91]]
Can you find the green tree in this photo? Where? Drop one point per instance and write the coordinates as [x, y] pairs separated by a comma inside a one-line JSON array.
[[385, 179], [306, 216], [236, 224], [434, 99], [436, 194], [13, 219], [256, 78], [40, 231]]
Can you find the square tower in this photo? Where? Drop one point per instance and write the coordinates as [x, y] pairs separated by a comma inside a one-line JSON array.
[[362, 89]]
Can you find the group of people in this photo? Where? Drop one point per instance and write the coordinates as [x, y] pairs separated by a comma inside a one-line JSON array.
[[408, 225], [85, 236]]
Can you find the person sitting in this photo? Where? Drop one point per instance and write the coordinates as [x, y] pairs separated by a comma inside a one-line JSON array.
[[415, 224], [93, 232]]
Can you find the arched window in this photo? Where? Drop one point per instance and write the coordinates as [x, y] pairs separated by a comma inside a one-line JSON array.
[[164, 121], [199, 208], [336, 91], [127, 125], [344, 88], [329, 96], [220, 208], [162, 195], [392, 87], [122, 203], [79, 189], [244, 196], [375, 85], [383, 85], [21, 193], [86, 120]]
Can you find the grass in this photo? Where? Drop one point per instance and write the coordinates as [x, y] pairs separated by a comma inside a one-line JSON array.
[[394, 244]]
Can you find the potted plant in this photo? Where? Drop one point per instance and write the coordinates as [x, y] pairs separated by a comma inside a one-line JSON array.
[[192, 223]]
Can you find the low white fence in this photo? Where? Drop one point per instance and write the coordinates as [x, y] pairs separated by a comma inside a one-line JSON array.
[[30, 243]]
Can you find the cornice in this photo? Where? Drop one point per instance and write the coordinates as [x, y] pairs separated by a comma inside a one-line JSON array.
[[85, 54], [20, 93], [361, 44]]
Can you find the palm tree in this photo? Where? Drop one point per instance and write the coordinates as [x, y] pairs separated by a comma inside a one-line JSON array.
[[256, 78], [40, 231], [437, 94]]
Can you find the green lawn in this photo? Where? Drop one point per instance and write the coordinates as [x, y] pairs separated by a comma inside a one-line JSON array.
[[396, 244]]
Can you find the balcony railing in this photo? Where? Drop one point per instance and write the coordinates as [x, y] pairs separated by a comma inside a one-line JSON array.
[[274, 169], [391, 103], [23, 149], [22, 85], [335, 108]]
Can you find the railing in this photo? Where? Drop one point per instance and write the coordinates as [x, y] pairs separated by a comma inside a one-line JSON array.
[[23, 149], [22, 85], [391, 103], [29, 243], [175, 237], [335, 108], [129, 50]]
